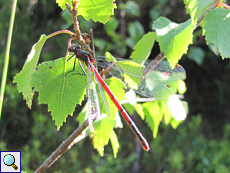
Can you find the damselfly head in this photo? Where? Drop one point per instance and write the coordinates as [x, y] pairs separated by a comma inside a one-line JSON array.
[[73, 48]]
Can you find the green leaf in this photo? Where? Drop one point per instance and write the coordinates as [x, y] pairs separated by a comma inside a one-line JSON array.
[[144, 46], [196, 7], [153, 116], [166, 112], [114, 143], [217, 31], [59, 90], [61, 3], [139, 110], [102, 133], [109, 57], [196, 54], [129, 108], [97, 10], [111, 27], [136, 31], [173, 38], [24, 77], [174, 123], [132, 8]]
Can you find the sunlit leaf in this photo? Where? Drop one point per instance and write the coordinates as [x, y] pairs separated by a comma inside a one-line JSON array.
[[24, 77], [59, 90], [174, 123], [153, 116], [102, 133], [97, 10], [61, 3], [139, 110], [144, 47], [196, 7], [173, 38], [114, 143]]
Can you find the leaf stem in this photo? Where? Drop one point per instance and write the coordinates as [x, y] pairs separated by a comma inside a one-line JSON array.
[[61, 32], [223, 5], [7, 56]]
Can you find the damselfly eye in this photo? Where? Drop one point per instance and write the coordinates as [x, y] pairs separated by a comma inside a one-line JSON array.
[[71, 49], [78, 46]]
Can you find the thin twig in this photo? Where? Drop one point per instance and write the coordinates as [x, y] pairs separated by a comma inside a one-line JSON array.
[[65, 146], [153, 64], [73, 12]]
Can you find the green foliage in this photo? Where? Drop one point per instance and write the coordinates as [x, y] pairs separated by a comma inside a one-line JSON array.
[[136, 31], [185, 149], [97, 10], [57, 87], [188, 150], [153, 121], [24, 77], [195, 8], [103, 132], [61, 3], [131, 8], [196, 54], [144, 46], [216, 30], [173, 38]]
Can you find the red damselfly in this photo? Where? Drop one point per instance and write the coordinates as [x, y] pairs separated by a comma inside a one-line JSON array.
[[151, 80]]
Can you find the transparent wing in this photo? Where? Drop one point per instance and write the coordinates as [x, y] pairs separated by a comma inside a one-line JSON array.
[[93, 101], [150, 79], [102, 95]]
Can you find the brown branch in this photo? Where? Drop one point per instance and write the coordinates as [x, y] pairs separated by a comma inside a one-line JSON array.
[[65, 146], [73, 12]]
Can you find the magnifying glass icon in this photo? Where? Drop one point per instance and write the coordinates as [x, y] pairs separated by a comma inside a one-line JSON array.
[[9, 160]]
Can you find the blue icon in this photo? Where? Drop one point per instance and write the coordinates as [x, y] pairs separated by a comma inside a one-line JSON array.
[[9, 160]]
